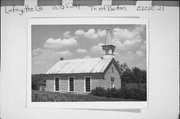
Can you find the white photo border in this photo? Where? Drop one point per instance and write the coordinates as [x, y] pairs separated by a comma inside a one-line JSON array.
[[85, 105]]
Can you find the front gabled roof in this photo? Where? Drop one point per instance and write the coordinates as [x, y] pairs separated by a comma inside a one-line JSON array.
[[90, 65]]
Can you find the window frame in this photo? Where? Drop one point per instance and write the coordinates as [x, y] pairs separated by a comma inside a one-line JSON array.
[[55, 84], [69, 83], [85, 84], [112, 80]]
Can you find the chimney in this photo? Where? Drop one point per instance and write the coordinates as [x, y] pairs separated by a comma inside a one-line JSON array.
[[61, 58]]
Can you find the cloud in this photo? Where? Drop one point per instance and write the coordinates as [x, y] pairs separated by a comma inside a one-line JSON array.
[[97, 48], [60, 43], [43, 56], [67, 34], [125, 34], [131, 42], [86, 57], [79, 33], [37, 51], [101, 33], [81, 51], [116, 53], [122, 34], [143, 47], [139, 53], [91, 33], [43, 59], [139, 29], [125, 39], [64, 53]]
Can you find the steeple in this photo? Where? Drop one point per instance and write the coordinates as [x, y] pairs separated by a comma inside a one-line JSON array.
[[108, 47]]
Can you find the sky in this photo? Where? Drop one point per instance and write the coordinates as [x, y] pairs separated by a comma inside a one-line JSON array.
[[51, 42]]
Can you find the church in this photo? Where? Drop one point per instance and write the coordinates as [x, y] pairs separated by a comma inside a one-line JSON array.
[[82, 75]]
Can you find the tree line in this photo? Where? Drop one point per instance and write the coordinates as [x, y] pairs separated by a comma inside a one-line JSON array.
[[132, 75]]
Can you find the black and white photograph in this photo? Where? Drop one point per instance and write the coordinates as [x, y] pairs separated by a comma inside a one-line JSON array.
[[89, 59], [89, 62]]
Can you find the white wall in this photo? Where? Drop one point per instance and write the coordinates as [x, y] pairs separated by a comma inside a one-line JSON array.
[[163, 66]]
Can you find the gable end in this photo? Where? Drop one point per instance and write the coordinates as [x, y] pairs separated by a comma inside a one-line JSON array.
[[115, 64]]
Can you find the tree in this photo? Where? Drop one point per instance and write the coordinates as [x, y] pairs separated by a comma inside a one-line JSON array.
[[132, 75], [37, 80], [124, 67], [143, 76], [126, 76], [137, 75]]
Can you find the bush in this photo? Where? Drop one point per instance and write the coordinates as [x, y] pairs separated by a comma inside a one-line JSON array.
[[113, 92], [136, 94], [120, 93], [98, 91]]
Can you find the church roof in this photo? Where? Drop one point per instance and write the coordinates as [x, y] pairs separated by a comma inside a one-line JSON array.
[[89, 65]]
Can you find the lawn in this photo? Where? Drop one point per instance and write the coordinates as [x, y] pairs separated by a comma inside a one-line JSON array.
[[44, 96]]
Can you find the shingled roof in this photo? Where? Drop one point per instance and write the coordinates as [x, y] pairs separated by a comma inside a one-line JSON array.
[[89, 65]]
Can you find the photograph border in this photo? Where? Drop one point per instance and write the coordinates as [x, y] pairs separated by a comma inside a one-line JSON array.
[[84, 21]]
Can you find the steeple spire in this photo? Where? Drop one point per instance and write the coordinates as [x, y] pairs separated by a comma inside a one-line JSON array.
[[108, 47], [108, 37]]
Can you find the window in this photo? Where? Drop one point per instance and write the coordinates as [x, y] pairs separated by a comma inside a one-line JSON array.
[[112, 69], [56, 84], [87, 84], [71, 84], [112, 82]]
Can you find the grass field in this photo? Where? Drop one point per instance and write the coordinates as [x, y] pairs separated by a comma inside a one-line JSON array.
[[44, 96], [40, 96]]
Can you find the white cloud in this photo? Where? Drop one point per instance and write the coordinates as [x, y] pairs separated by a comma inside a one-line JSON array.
[[139, 29], [139, 53], [101, 33], [37, 51], [60, 43], [91, 33], [79, 33], [67, 34], [116, 53], [97, 48], [143, 47], [125, 34], [40, 56], [131, 42], [81, 51], [43, 59], [125, 39], [122, 34]]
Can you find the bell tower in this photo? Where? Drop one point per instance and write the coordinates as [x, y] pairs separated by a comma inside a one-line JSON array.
[[108, 47]]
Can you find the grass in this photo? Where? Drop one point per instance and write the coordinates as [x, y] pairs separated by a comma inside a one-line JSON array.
[[44, 96]]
